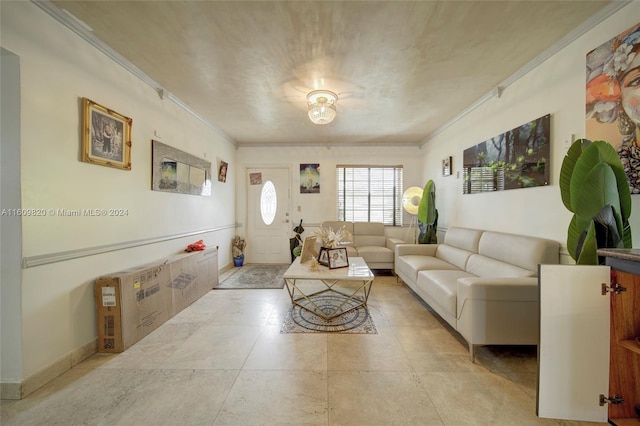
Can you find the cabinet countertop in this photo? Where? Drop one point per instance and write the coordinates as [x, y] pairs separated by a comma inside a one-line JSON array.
[[627, 260]]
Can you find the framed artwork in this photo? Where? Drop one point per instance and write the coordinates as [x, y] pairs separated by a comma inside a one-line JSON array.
[[106, 136], [446, 166], [337, 257], [255, 178], [308, 249], [323, 256], [613, 99], [222, 172], [310, 178], [176, 171], [518, 158]]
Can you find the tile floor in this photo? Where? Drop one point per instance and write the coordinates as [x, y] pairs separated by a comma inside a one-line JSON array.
[[223, 361]]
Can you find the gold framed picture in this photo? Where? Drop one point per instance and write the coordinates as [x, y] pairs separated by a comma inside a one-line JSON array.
[[308, 249], [106, 136]]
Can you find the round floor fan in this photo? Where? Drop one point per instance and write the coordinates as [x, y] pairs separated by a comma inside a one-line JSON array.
[[410, 202]]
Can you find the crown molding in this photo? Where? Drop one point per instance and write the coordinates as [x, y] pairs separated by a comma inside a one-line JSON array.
[[86, 33], [572, 36]]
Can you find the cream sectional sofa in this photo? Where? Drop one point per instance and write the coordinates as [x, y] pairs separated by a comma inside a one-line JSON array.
[[483, 283], [369, 242]]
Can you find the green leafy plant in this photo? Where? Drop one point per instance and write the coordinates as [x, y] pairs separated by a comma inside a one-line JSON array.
[[593, 186], [428, 215]]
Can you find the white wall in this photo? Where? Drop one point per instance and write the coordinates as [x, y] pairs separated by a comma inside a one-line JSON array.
[[556, 87], [316, 208], [57, 69]]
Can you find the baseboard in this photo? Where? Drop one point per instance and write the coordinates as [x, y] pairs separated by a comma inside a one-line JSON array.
[[40, 378], [225, 268], [10, 390]]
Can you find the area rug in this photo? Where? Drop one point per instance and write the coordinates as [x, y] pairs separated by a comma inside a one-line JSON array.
[[357, 321], [255, 276]]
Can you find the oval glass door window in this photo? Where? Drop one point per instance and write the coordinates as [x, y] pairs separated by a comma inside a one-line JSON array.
[[268, 203]]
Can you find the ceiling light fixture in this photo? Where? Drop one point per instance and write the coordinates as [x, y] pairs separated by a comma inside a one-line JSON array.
[[322, 106]]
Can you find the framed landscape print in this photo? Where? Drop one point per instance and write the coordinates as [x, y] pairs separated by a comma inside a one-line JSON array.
[[106, 136], [518, 158]]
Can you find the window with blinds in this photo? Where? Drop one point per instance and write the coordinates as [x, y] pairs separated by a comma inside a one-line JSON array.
[[370, 194]]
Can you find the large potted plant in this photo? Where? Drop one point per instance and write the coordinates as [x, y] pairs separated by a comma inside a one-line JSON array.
[[594, 186], [428, 215], [237, 247]]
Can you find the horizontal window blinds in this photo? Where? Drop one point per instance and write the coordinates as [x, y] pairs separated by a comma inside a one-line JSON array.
[[369, 194]]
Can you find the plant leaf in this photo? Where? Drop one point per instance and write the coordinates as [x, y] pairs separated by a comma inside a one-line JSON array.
[[427, 203], [566, 171], [606, 227], [597, 189], [626, 234], [609, 155], [588, 250], [573, 236]]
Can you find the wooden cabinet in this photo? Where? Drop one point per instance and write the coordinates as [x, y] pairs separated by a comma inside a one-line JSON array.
[[624, 364], [590, 318]]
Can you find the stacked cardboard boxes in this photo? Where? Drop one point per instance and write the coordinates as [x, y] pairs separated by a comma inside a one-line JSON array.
[[134, 302]]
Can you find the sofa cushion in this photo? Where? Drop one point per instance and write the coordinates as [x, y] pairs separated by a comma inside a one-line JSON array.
[[442, 287], [351, 251], [410, 265], [483, 266], [369, 234], [453, 255], [376, 254], [520, 250], [463, 238]]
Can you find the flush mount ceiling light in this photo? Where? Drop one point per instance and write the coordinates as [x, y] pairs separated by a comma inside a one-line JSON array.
[[322, 106]]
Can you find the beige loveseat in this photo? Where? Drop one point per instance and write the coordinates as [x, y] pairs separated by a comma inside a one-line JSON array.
[[483, 283], [369, 242]]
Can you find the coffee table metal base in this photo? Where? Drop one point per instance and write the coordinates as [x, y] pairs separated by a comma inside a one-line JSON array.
[[358, 298]]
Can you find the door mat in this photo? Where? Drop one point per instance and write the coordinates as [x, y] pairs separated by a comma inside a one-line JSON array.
[[356, 321], [255, 276]]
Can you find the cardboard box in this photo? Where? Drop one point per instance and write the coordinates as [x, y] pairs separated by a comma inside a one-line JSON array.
[[132, 303]]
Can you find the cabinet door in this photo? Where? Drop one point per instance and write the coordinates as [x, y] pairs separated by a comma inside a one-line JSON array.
[[573, 354]]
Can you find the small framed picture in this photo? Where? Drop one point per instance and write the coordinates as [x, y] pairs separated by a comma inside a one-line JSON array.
[[308, 249], [446, 166], [338, 257], [222, 173], [323, 256], [106, 136]]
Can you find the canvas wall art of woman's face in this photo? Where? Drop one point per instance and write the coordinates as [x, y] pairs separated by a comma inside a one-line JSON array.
[[613, 99]]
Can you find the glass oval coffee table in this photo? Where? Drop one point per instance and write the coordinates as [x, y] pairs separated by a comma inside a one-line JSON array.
[[358, 275]]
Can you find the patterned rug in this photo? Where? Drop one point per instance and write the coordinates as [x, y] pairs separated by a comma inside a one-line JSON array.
[[357, 321], [255, 276]]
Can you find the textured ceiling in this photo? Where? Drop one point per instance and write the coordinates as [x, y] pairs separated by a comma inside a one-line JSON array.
[[402, 70]]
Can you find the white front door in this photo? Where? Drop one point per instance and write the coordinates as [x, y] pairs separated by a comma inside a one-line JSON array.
[[268, 218]]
